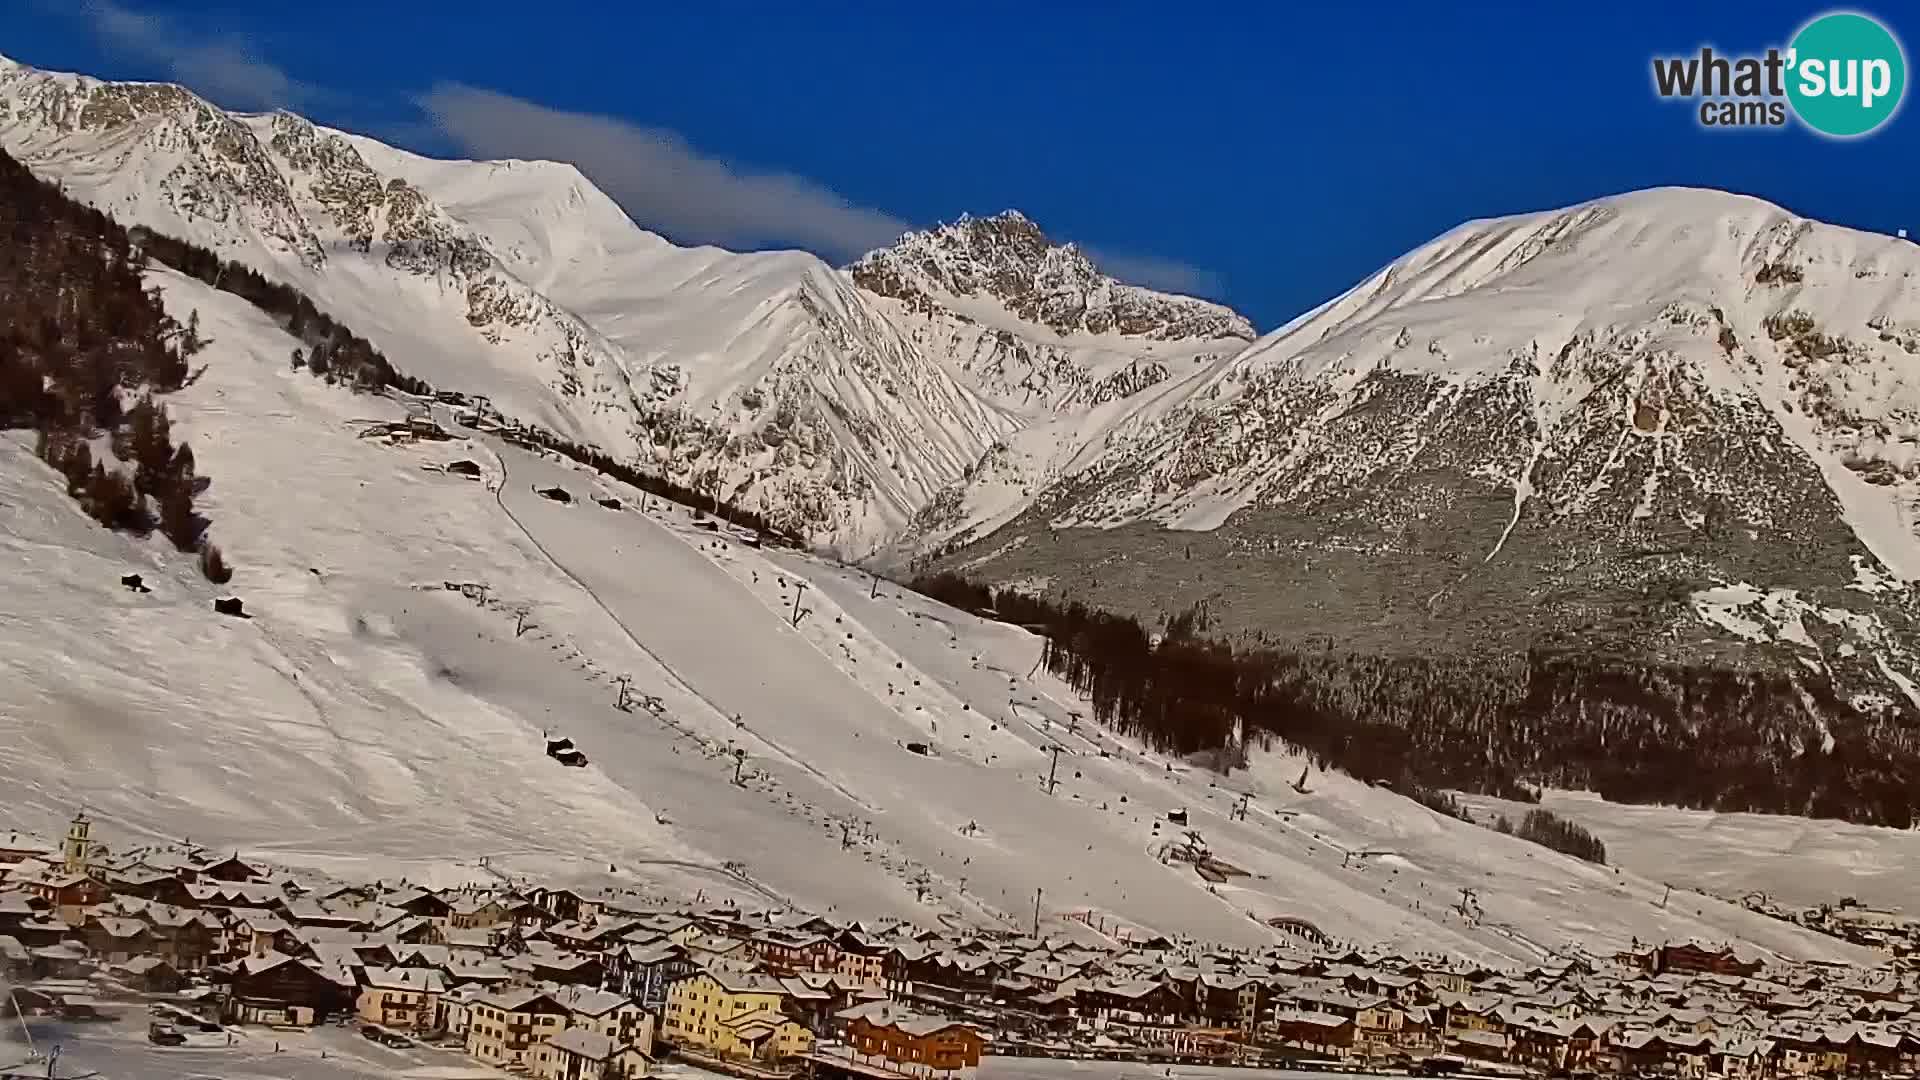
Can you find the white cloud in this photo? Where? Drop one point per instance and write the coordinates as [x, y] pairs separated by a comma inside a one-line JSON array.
[[223, 70], [663, 182], [666, 184], [1167, 275]]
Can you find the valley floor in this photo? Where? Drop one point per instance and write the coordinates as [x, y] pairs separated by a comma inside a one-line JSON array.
[[1795, 861]]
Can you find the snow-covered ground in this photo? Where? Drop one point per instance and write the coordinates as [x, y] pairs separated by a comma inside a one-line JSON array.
[[118, 1050], [1795, 861], [368, 719]]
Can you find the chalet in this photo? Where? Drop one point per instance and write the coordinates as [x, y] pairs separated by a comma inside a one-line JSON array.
[[786, 953], [40, 933], [1691, 958], [707, 950], [279, 989], [1741, 1059], [553, 966], [644, 972], [312, 912], [859, 961], [149, 975], [421, 903], [482, 912], [812, 999], [578, 1054], [407, 999], [1137, 1001], [115, 940], [504, 1029], [914, 1042], [1375, 1019], [472, 944], [21, 907], [1462, 1013], [595, 936], [261, 933], [219, 895], [69, 895], [1478, 1044], [181, 936], [150, 884], [564, 905], [62, 960], [617, 1017], [1317, 1031], [1538, 1044]]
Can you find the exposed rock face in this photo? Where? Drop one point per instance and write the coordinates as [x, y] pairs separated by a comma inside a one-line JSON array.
[[768, 379], [1007, 257], [1620, 431]]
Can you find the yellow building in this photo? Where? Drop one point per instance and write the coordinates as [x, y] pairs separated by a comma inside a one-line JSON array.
[[407, 999], [729, 1014], [505, 1030]]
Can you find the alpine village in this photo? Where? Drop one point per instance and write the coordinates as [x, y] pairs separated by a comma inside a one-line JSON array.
[[566, 984]]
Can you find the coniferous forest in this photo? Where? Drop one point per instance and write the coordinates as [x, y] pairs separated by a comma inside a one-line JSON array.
[[1631, 729], [85, 349]]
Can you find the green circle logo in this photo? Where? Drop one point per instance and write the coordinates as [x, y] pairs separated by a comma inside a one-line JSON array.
[[1847, 74]]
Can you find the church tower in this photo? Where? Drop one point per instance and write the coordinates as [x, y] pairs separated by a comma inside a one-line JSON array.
[[79, 845]]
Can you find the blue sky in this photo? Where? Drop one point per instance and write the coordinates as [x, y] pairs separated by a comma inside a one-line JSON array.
[[1261, 154]]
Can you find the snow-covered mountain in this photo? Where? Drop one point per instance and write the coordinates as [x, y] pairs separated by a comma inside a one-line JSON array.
[[1679, 425], [836, 403], [1040, 330], [1678, 400], [383, 713], [769, 377]]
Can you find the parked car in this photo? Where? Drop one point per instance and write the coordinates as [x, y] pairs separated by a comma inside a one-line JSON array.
[[165, 1035]]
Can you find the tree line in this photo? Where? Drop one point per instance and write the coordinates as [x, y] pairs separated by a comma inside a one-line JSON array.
[[653, 483], [80, 333], [328, 348], [1548, 829], [1632, 729]]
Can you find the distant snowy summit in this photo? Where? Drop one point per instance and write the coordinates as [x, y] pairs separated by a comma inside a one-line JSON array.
[[1008, 258], [1640, 472]]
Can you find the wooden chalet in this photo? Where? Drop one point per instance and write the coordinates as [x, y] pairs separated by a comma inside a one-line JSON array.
[[1323, 1032], [1691, 958], [279, 989], [916, 1042], [788, 953]]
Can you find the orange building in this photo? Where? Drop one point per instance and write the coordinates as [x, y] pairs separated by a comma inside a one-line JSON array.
[[918, 1042]]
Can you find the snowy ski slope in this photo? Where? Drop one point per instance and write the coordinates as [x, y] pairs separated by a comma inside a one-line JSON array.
[[369, 717]]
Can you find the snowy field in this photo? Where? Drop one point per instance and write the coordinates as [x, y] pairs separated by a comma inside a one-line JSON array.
[[370, 720], [1792, 860], [118, 1050]]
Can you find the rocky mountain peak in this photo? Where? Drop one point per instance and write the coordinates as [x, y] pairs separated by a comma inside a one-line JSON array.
[[1008, 258]]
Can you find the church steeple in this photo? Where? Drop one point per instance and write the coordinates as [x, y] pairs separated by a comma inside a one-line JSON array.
[[79, 845]]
